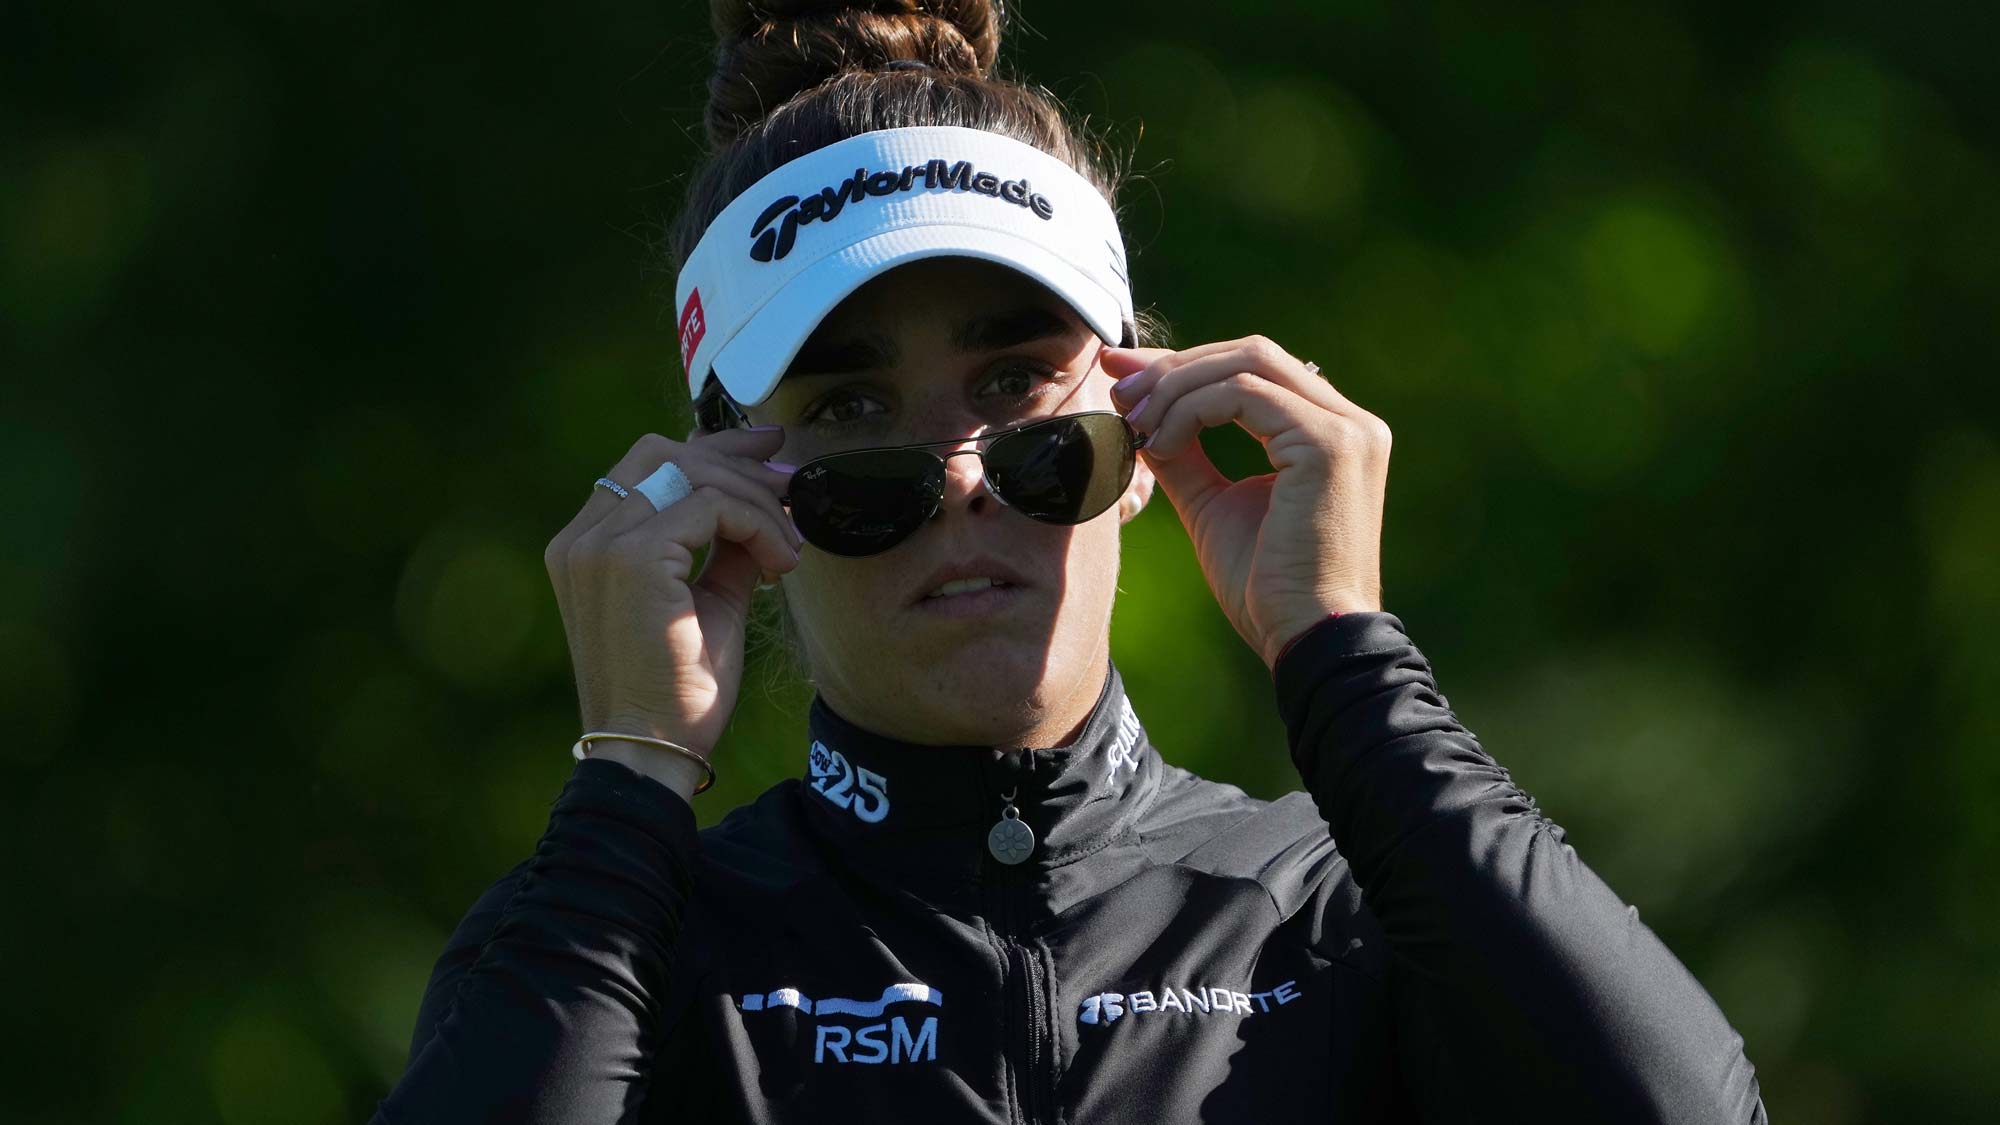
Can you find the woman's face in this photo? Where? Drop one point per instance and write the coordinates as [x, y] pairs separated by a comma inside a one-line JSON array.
[[951, 348]]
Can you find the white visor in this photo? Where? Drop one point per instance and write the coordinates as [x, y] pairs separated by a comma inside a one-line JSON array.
[[789, 249]]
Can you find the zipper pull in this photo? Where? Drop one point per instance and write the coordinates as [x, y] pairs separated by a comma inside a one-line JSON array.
[[1010, 840]]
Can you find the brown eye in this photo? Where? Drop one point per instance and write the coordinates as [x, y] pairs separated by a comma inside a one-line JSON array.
[[1015, 383], [841, 406], [1020, 381]]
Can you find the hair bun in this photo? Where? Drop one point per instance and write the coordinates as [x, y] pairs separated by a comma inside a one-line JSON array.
[[769, 51]]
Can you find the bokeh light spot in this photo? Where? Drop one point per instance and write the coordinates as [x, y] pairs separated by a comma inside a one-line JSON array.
[[467, 603], [263, 1068]]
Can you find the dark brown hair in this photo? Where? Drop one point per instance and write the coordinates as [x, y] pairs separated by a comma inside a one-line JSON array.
[[793, 76]]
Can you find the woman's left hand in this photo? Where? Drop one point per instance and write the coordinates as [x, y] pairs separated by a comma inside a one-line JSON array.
[[1283, 550]]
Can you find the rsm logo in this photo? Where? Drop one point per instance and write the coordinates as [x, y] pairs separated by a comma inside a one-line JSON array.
[[890, 1042], [1207, 1000], [899, 1039]]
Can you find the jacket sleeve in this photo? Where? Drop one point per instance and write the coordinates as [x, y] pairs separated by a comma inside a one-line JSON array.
[[545, 1005], [1519, 978]]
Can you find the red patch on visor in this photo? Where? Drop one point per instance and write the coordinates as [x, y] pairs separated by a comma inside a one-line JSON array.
[[693, 326]]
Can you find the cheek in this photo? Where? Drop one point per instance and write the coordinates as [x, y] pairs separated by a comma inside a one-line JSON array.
[[811, 594], [833, 588], [1092, 561]]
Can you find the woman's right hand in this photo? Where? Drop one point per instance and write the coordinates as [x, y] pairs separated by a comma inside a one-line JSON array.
[[655, 653]]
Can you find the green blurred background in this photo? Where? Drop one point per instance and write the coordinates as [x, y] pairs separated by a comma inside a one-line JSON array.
[[318, 322]]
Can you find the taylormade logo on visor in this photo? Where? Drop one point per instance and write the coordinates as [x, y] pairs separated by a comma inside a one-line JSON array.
[[777, 226]]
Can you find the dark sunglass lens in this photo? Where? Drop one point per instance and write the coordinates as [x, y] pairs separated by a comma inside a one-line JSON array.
[[1065, 470], [866, 502]]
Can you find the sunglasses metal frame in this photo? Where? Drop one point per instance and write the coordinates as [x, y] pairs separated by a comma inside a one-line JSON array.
[[1134, 440]]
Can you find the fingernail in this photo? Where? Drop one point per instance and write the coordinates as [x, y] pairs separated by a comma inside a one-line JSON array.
[[781, 466], [1133, 414], [764, 429], [1125, 384]]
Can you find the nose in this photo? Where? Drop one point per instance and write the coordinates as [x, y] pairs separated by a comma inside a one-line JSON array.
[[965, 480]]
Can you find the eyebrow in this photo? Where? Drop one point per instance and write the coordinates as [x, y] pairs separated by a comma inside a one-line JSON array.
[[984, 333]]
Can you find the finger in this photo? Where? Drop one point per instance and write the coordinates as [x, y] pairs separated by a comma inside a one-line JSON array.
[[749, 481], [731, 573], [652, 450], [1121, 363], [706, 515], [752, 481], [1225, 367], [601, 502], [1170, 375], [767, 541], [1209, 362], [1265, 409], [645, 455], [1147, 374], [1188, 478], [757, 442]]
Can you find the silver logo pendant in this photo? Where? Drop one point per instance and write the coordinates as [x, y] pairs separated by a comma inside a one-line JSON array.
[[1009, 840]]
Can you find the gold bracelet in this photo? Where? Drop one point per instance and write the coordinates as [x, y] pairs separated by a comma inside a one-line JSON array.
[[708, 771]]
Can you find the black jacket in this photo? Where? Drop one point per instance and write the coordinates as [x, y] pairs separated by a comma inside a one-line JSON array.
[[849, 947]]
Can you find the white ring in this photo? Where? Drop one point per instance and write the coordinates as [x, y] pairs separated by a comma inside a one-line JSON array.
[[1312, 367], [667, 485], [616, 488]]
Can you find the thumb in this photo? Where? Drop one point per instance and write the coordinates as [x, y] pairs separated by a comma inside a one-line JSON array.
[[731, 573], [1120, 362], [1188, 477]]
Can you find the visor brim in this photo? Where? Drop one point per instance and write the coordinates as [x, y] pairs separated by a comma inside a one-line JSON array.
[[750, 365]]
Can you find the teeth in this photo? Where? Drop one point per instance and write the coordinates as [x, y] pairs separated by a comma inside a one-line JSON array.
[[963, 585]]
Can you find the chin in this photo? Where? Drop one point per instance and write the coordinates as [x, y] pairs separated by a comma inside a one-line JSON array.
[[1006, 665], [999, 675]]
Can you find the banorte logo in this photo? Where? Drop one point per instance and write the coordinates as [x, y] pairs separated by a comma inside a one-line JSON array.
[[1105, 1007], [1202, 1000], [777, 226]]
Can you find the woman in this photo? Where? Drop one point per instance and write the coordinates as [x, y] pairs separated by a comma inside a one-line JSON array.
[[907, 329]]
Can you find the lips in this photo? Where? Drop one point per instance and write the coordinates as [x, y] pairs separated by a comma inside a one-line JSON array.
[[958, 586], [983, 566], [993, 600]]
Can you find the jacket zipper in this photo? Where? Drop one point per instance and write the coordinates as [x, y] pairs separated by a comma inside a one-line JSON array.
[[1027, 1012], [1025, 982]]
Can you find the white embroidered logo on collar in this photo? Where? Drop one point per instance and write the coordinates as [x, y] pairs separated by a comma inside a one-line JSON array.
[[1122, 752], [864, 793]]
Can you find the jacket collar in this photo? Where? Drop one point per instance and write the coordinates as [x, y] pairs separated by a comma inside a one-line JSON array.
[[919, 813]]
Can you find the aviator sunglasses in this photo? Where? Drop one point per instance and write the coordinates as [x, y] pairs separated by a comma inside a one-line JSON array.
[[1061, 470]]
